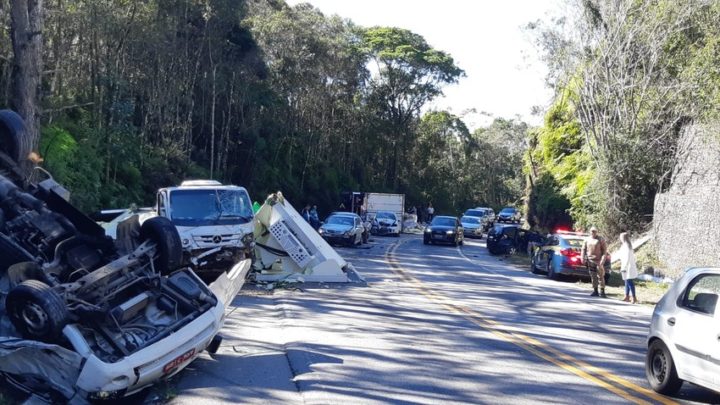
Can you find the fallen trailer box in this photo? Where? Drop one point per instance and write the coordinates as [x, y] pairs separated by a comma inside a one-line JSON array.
[[287, 247]]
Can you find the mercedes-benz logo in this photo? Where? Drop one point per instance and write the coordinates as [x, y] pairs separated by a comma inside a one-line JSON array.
[[217, 239]]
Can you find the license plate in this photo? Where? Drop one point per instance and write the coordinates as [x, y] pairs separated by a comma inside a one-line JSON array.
[[438, 236], [173, 364]]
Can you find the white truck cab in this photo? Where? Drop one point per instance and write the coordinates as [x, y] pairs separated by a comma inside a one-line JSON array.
[[215, 221]]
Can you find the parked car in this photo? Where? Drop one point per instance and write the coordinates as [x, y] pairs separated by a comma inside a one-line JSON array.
[[509, 214], [560, 255], [86, 317], [472, 226], [386, 223], [683, 338], [509, 238], [483, 214], [444, 229], [489, 217], [343, 228]]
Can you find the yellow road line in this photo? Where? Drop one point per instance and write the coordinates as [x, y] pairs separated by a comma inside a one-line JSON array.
[[531, 345]]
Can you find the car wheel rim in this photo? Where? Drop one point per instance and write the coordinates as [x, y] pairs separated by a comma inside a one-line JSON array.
[[659, 366], [34, 318]]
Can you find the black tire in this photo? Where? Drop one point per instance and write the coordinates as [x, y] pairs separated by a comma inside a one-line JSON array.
[[533, 268], [461, 242], [426, 242], [550, 271], [365, 237], [37, 311], [660, 369], [12, 130], [162, 232], [23, 271]]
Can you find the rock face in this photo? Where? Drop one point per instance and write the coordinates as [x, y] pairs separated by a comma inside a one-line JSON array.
[[686, 222]]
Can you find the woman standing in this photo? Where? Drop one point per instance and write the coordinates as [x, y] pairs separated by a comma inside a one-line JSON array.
[[628, 267]]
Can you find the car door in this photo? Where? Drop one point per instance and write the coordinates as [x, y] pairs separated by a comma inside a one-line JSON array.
[[696, 331], [548, 252]]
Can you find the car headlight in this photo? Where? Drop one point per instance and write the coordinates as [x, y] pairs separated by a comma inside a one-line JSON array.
[[185, 242], [321, 231], [450, 232], [428, 230]]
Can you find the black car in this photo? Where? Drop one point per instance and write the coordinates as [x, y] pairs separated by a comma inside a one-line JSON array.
[[510, 238], [444, 229]]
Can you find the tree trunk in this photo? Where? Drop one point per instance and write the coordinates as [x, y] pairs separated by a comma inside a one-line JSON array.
[[26, 27]]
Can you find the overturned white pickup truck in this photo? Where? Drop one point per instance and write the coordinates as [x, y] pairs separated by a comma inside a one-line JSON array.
[[82, 317]]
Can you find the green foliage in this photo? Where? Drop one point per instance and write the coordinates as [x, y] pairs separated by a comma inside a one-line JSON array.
[[141, 95]]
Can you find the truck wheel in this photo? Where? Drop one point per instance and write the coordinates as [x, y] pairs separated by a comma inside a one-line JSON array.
[[37, 311], [23, 271], [162, 232], [12, 129]]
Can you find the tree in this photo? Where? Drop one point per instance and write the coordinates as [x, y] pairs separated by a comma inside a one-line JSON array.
[[633, 69], [410, 73], [26, 31]]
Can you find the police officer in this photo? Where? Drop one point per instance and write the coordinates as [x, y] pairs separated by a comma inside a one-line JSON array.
[[593, 255]]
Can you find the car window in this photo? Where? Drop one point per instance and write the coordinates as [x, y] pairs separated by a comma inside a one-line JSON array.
[[510, 232], [576, 243], [702, 293], [443, 221]]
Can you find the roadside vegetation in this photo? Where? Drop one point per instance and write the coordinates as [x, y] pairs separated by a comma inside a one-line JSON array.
[[140, 95], [629, 76]]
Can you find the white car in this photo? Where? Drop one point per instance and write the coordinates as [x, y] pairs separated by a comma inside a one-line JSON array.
[[386, 223], [684, 338]]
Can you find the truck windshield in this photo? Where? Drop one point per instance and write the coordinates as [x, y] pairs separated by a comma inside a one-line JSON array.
[[210, 207]]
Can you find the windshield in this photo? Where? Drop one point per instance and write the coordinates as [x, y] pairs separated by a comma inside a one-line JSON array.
[[576, 243], [210, 207], [443, 221], [385, 215], [340, 220], [469, 220], [508, 211], [475, 213]]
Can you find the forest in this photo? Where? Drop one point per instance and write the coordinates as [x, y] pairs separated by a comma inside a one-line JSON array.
[[135, 95]]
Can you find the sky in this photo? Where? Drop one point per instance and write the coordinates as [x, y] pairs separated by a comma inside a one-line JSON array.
[[504, 76]]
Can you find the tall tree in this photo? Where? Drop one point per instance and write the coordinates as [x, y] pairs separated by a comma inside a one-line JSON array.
[[410, 74], [26, 28]]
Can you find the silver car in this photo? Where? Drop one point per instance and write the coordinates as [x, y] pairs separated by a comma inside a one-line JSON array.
[[473, 226], [683, 343], [343, 228]]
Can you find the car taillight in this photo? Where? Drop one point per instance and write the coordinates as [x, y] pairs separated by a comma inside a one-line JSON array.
[[571, 254]]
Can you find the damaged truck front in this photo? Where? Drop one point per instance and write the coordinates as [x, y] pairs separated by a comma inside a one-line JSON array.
[[82, 316]]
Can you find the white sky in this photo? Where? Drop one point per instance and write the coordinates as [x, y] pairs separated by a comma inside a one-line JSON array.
[[504, 76]]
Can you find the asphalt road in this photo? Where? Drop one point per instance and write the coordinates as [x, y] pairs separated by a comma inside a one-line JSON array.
[[433, 324]]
